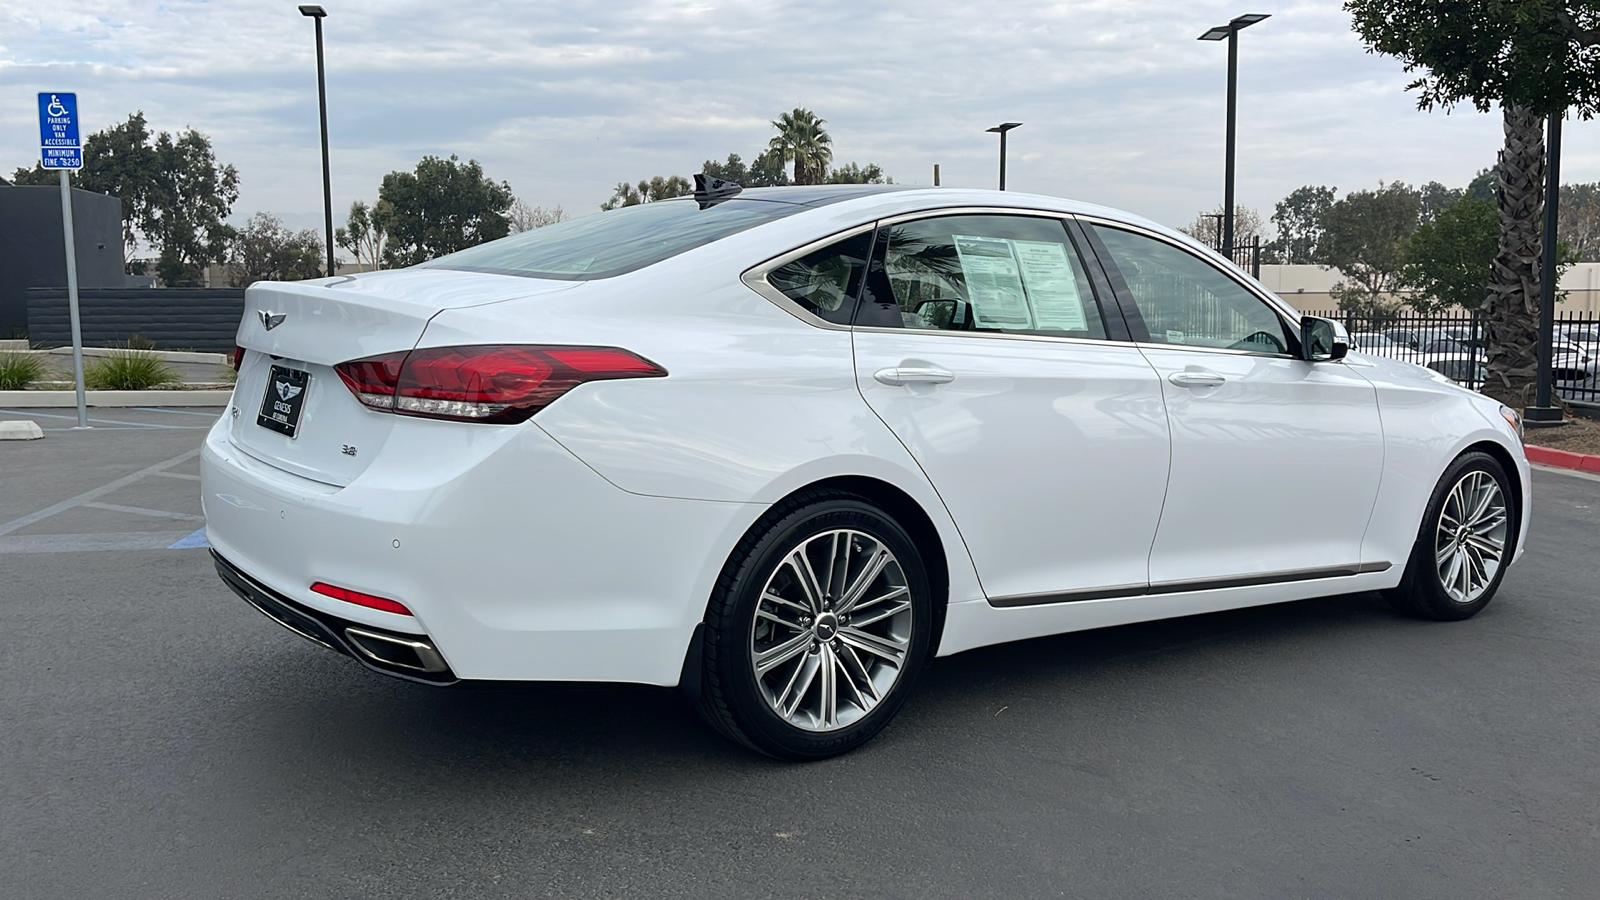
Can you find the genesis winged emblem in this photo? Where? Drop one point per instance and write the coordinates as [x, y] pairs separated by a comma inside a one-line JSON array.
[[270, 319], [286, 390]]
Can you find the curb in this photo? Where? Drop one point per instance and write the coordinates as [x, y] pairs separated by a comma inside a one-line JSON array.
[[65, 399], [1563, 459]]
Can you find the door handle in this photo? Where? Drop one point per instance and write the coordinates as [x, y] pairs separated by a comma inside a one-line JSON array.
[[1196, 379], [901, 375]]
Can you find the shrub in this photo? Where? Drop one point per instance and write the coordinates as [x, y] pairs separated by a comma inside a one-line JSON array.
[[18, 370], [127, 370]]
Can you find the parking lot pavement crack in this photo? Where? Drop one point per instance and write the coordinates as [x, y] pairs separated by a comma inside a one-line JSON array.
[[96, 493], [143, 511]]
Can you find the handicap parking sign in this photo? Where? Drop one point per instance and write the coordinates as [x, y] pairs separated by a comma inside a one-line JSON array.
[[59, 147]]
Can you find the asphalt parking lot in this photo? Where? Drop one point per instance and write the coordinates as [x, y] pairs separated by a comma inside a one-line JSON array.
[[159, 738]]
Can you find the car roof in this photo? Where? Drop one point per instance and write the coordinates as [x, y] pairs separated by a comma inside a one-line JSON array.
[[819, 194]]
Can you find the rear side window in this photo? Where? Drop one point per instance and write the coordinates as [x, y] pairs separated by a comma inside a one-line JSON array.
[[616, 242], [825, 282]]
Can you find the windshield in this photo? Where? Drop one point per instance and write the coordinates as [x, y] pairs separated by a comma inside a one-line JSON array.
[[615, 242]]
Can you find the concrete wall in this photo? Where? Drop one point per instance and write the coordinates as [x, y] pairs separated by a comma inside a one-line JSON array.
[[31, 249], [1306, 287]]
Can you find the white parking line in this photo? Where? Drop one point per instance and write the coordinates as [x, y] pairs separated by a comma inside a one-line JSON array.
[[142, 511], [95, 493]]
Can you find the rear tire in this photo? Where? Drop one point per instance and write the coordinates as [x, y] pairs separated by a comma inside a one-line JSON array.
[[817, 629], [1466, 540]]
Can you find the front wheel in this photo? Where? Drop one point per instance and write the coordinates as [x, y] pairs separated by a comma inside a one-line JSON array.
[[818, 627], [1466, 541]]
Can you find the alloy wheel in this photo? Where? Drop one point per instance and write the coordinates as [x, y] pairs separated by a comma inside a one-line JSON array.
[[1470, 541], [832, 630]]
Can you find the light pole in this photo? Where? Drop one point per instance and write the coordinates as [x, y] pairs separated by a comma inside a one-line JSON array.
[[1001, 130], [317, 14], [1231, 32]]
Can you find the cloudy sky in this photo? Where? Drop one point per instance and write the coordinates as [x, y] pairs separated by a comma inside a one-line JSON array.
[[1121, 104]]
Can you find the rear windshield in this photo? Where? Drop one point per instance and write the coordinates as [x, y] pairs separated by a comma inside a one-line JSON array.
[[615, 242]]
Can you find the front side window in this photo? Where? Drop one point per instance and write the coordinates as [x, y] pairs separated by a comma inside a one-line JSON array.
[[1185, 300], [1006, 274], [825, 282]]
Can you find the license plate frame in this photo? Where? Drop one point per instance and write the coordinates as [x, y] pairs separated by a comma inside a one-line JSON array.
[[284, 400]]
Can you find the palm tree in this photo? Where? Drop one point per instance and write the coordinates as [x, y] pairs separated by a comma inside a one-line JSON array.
[[1511, 309], [802, 138]]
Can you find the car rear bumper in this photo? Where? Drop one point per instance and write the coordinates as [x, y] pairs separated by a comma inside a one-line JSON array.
[[404, 655], [516, 560]]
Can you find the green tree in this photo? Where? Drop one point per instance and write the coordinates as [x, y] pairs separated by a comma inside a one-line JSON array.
[[174, 194], [1207, 226], [442, 207], [766, 170], [1447, 260], [802, 139], [264, 250], [1433, 198], [854, 173], [363, 234], [1298, 220], [1364, 237], [648, 191], [1580, 220], [1533, 58]]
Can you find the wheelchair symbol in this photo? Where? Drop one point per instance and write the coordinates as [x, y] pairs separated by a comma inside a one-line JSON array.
[[55, 108]]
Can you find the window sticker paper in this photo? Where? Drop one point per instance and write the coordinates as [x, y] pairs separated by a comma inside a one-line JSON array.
[[1051, 284], [994, 282]]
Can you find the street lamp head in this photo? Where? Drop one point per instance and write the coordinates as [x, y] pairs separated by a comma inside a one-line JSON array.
[[1223, 32], [316, 12], [1003, 128]]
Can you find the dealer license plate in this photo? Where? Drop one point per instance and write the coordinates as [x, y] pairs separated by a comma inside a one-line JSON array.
[[285, 400]]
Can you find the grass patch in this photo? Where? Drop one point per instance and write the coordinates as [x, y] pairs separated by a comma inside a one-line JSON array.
[[18, 370], [127, 370]]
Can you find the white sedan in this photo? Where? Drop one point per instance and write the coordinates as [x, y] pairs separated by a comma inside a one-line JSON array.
[[782, 449]]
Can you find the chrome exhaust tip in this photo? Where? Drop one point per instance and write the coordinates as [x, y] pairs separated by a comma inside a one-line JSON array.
[[413, 654]]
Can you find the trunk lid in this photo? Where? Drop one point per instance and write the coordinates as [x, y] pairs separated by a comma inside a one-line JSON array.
[[288, 367]]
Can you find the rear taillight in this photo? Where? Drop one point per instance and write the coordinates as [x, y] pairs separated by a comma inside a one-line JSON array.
[[238, 357], [497, 383]]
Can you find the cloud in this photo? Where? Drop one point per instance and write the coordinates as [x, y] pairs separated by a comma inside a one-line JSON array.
[[1121, 104]]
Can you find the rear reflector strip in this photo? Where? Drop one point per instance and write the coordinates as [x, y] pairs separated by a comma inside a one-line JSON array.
[[359, 599]]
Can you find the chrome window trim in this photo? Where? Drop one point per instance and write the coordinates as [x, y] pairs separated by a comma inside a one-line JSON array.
[[755, 277], [1273, 301], [995, 335]]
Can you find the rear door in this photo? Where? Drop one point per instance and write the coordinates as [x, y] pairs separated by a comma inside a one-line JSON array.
[[982, 343]]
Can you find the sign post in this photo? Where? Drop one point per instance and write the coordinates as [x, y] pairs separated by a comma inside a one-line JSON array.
[[59, 148]]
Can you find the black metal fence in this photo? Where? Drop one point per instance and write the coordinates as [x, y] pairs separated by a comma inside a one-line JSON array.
[[1451, 343]]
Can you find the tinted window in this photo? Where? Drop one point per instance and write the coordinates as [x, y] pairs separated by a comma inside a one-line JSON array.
[[825, 282], [1010, 274], [1185, 300], [615, 242]]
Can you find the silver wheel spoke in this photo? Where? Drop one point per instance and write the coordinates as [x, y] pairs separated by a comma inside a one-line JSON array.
[[873, 644], [862, 620], [777, 656], [818, 666], [864, 579]]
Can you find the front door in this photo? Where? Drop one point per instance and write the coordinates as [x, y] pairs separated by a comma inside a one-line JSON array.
[[1275, 460], [990, 361]]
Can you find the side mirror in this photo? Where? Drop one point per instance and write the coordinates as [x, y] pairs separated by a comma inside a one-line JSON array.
[[946, 313], [1322, 340]]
